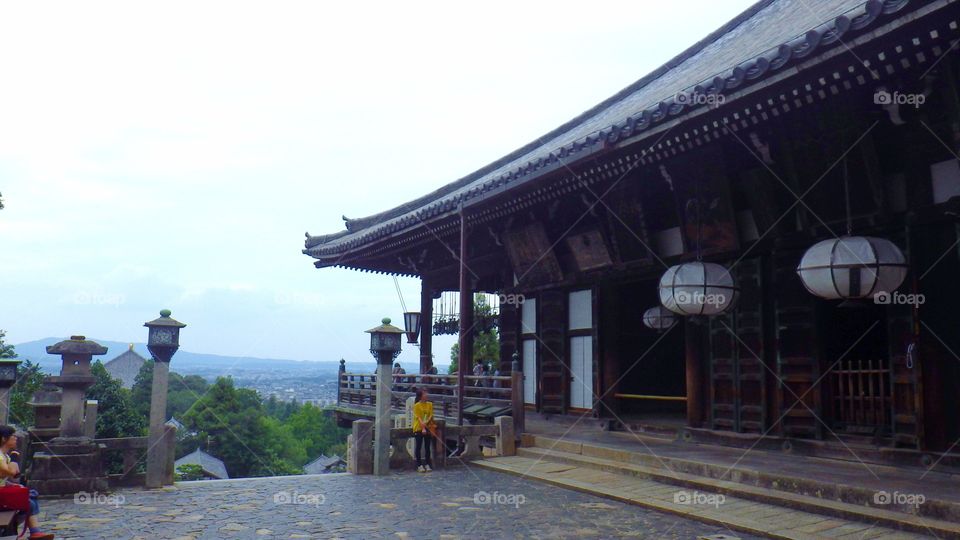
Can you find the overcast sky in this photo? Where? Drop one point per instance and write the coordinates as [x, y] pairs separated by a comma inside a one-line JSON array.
[[172, 155]]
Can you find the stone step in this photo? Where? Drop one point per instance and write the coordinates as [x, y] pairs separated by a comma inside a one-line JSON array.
[[861, 496], [730, 511], [776, 498]]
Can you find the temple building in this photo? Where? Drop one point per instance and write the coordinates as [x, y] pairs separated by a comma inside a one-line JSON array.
[[759, 240], [125, 367]]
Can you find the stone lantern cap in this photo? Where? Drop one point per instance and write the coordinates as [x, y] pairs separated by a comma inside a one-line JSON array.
[[77, 345], [385, 328], [165, 320]]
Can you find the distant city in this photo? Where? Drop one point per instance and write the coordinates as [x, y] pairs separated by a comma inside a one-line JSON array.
[[288, 380]]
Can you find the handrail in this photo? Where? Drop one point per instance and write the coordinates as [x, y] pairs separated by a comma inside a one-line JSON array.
[[651, 397], [358, 390]]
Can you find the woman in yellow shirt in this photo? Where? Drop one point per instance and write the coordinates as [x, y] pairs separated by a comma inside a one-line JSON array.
[[423, 426]]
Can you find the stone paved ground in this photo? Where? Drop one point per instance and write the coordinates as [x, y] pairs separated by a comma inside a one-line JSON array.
[[440, 504]]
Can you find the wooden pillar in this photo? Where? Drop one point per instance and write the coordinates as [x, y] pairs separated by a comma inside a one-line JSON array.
[[694, 373], [426, 327], [465, 360], [516, 394], [607, 331]]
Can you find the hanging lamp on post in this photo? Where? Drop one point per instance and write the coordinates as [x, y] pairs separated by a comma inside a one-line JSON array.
[[697, 288], [411, 325], [659, 318], [852, 267]]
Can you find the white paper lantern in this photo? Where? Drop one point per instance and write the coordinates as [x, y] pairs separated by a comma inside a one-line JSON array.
[[852, 267], [659, 318], [698, 288]]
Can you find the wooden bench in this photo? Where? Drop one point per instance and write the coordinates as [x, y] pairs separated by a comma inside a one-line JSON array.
[[485, 413]]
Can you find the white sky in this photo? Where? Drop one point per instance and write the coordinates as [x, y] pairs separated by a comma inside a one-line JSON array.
[[171, 155]]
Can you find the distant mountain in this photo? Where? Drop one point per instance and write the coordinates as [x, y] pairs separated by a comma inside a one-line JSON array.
[[185, 362]]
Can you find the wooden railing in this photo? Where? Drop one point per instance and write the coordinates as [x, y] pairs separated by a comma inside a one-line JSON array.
[[359, 390]]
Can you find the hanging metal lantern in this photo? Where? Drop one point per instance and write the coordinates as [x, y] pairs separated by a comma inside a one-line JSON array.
[[698, 288], [659, 318], [852, 267]]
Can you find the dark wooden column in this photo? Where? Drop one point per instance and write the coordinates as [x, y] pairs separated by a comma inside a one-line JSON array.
[[607, 331], [426, 326], [465, 360], [694, 373]]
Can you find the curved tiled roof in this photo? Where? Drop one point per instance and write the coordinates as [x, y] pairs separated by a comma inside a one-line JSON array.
[[768, 37], [210, 465]]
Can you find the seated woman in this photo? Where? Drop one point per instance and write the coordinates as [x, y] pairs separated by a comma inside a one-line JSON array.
[[10, 470]]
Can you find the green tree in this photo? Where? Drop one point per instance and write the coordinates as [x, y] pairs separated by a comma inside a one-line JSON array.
[[231, 422], [29, 380], [6, 351], [486, 344], [317, 430], [182, 391], [189, 471], [116, 414]]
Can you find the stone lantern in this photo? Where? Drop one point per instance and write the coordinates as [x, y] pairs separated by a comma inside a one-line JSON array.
[[70, 462], [385, 347], [163, 340]]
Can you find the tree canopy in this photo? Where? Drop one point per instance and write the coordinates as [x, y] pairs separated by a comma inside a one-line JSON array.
[[486, 344]]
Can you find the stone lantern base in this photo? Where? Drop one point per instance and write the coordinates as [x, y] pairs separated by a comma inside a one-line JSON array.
[[68, 465]]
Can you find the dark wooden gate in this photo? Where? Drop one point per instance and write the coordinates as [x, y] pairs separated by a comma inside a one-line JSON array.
[[860, 391], [553, 323], [737, 374], [798, 366]]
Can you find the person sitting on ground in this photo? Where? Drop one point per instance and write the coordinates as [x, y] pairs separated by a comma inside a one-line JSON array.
[[423, 428], [10, 471]]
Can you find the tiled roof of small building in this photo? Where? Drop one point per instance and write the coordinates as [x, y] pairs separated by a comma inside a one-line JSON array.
[[210, 465], [321, 464]]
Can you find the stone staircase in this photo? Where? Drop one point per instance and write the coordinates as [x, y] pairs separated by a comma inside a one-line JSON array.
[[758, 502]]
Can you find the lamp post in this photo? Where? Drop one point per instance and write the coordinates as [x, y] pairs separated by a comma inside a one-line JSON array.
[[163, 340], [385, 347], [8, 376]]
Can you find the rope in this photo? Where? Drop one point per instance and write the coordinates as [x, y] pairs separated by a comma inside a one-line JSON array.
[[396, 284]]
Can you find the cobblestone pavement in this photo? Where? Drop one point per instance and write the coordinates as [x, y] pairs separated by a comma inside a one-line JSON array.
[[454, 503]]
